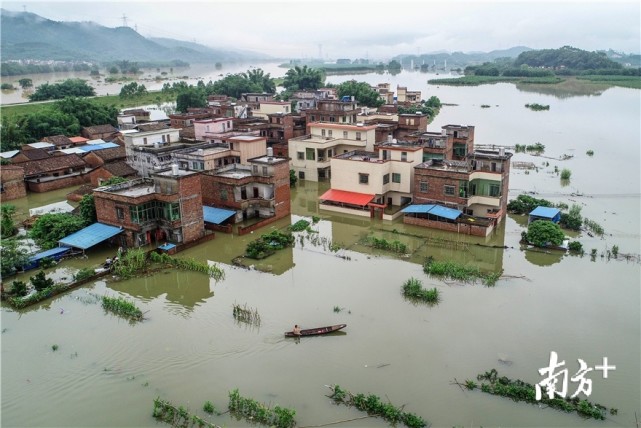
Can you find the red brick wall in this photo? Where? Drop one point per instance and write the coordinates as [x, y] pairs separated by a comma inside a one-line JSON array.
[[467, 229], [191, 207], [46, 186], [97, 174], [436, 180], [282, 191], [12, 183]]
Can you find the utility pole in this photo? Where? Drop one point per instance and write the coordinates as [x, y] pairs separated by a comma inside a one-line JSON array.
[[124, 20]]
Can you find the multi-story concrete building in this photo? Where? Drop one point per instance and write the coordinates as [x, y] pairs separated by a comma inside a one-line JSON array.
[[211, 156], [475, 191], [380, 181], [334, 111], [167, 207], [271, 107], [310, 154]]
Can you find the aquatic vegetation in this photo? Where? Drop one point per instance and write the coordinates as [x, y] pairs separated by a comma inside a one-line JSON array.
[[575, 247], [383, 244], [593, 226], [373, 405], [122, 307], [615, 251], [537, 107], [268, 243], [518, 390], [208, 407], [54, 348], [590, 153], [254, 411], [565, 174], [459, 272], [213, 271], [83, 274], [413, 289], [299, 226], [178, 416], [130, 263], [245, 314]]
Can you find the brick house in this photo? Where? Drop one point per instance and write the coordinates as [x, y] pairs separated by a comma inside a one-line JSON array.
[[476, 188], [111, 169], [98, 158], [211, 156], [30, 155], [334, 111], [106, 132], [167, 207], [60, 141], [183, 120], [12, 185], [269, 107], [259, 189], [55, 172]]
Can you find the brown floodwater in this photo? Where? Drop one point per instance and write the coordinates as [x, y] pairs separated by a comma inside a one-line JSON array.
[[189, 349]]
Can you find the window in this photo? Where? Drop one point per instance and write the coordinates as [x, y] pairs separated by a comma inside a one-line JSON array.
[[301, 175], [344, 134], [495, 190], [396, 177], [386, 179], [120, 213], [358, 136], [322, 132], [300, 155], [329, 133], [310, 154], [264, 170], [363, 178], [404, 156], [255, 169], [423, 186], [449, 190], [385, 155], [330, 153], [223, 195]]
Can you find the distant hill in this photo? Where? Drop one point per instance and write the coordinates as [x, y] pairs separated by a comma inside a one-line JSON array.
[[566, 57], [26, 36], [459, 59]]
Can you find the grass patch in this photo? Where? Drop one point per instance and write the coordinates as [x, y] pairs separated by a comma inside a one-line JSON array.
[[122, 307], [245, 314], [623, 81], [472, 80], [383, 244], [213, 271], [177, 416], [537, 107], [459, 272], [256, 412], [374, 406], [299, 226], [267, 244], [413, 290]]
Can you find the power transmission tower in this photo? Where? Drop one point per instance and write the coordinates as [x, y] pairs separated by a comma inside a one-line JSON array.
[[124, 20]]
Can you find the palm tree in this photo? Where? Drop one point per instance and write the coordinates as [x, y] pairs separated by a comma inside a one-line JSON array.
[[298, 78], [258, 77]]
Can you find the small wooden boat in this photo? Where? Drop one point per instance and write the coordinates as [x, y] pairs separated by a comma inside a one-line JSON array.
[[316, 331]]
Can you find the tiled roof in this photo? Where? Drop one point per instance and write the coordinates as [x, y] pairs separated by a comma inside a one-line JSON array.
[[152, 127], [78, 139], [52, 164], [58, 140], [108, 155], [100, 129], [34, 154], [121, 169]]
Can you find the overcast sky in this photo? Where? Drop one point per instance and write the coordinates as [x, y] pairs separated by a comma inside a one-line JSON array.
[[365, 28]]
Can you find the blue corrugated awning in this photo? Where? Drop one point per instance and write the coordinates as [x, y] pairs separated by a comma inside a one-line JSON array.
[[418, 209], [90, 236], [216, 215], [448, 213], [545, 212], [437, 210], [49, 253]]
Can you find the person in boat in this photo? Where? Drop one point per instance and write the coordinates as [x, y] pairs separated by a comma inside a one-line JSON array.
[[296, 330], [108, 263]]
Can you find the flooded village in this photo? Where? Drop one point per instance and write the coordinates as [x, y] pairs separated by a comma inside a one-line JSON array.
[[453, 240]]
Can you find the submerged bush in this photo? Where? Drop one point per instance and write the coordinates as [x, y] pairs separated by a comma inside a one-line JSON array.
[[413, 289]]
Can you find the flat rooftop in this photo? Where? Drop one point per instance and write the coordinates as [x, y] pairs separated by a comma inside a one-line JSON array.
[[361, 156], [445, 165]]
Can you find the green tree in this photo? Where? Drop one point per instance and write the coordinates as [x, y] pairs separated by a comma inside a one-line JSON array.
[[50, 228], [361, 91], [19, 288], [48, 122], [394, 65], [68, 88], [25, 83], [301, 78], [544, 232], [192, 97], [40, 281], [132, 90], [292, 178], [12, 136], [258, 77], [87, 112], [113, 70], [7, 225], [87, 208], [573, 219], [114, 180], [12, 257]]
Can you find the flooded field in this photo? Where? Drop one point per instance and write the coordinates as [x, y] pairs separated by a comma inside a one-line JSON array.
[[190, 349]]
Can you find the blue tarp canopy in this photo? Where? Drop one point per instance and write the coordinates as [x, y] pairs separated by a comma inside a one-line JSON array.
[[545, 212], [437, 210], [92, 147], [167, 247], [216, 215], [59, 251], [90, 236]]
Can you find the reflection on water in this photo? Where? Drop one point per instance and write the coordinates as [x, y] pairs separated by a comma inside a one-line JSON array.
[[190, 349], [569, 88]]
